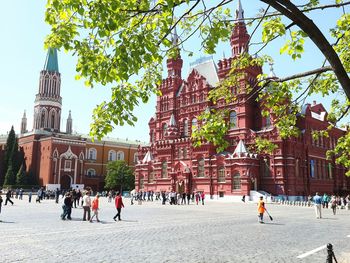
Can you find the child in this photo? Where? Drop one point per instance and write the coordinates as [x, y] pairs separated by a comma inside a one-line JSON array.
[[95, 208]]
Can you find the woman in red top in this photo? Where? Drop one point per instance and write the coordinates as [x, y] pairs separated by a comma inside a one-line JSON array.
[[95, 208], [118, 204]]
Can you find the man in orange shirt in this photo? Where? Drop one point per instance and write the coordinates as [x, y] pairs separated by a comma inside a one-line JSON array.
[[118, 204], [261, 209]]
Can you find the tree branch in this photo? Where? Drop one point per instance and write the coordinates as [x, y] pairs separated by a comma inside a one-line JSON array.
[[279, 80], [343, 114], [301, 75], [288, 9]]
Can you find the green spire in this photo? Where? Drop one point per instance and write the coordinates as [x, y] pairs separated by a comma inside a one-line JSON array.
[[51, 63]]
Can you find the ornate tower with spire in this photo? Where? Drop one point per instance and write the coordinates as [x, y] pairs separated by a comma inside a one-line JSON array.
[[169, 87], [24, 123], [174, 65], [240, 37], [69, 124], [48, 102]]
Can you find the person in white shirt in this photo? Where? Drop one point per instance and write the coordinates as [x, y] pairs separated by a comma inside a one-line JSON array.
[[87, 206]]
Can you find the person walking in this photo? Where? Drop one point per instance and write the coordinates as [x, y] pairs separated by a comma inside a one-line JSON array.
[[8, 196], [198, 198], [203, 197], [67, 207], [118, 205], [334, 204], [30, 195], [95, 208], [325, 200], [21, 194], [188, 197], [57, 195], [261, 210], [87, 206], [318, 205], [38, 195]]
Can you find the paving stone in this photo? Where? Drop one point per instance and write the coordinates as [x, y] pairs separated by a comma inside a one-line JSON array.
[[216, 232]]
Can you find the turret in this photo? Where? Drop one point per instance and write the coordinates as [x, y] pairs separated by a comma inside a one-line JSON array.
[[174, 65], [69, 124], [24, 123], [240, 37]]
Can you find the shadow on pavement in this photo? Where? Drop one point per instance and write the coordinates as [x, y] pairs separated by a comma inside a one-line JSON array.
[[105, 222], [7, 222], [135, 221], [277, 224]]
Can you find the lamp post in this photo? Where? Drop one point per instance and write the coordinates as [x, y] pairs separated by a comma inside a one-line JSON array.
[[211, 180]]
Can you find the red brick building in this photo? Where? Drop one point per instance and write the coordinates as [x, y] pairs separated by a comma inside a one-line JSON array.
[[64, 158], [297, 168]]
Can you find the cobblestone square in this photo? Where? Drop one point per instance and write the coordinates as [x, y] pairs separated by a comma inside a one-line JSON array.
[[215, 232]]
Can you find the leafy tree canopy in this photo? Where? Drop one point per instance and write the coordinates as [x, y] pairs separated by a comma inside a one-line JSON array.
[[119, 174], [118, 40]]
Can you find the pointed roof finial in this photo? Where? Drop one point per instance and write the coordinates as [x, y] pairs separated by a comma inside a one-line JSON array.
[[175, 37], [272, 73], [240, 150], [172, 121], [51, 62], [69, 115], [24, 114], [239, 12]]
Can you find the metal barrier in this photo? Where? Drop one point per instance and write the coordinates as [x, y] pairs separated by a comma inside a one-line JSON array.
[[330, 254]]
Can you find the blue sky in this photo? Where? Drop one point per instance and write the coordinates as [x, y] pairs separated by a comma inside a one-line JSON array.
[[22, 57]]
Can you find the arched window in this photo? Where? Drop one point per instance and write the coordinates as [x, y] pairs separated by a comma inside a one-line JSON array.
[[221, 175], [233, 120], [141, 182], [152, 136], [55, 154], [185, 153], [112, 155], [312, 168], [330, 171], [180, 153], [268, 120], [265, 167], [236, 181], [42, 120], [194, 124], [136, 157], [91, 172], [92, 154], [165, 126], [151, 177], [164, 169], [201, 167], [53, 120], [46, 84], [185, 128], [120, 155]]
